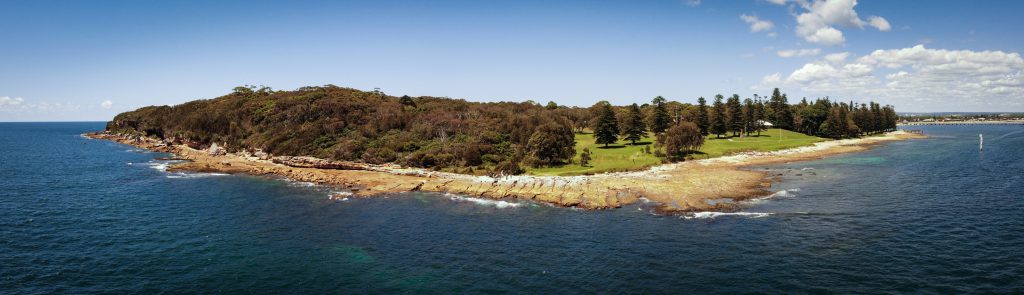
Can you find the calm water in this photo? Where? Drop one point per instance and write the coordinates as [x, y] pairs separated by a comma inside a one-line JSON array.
[[87, 216]]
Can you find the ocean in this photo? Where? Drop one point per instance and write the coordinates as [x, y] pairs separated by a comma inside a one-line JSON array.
[[936, 215]]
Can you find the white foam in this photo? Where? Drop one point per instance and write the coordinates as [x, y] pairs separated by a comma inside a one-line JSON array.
[[485, 202], [712, 214], [339, 196], [158, 166], [180, 175], [788, 193], [302, 183]]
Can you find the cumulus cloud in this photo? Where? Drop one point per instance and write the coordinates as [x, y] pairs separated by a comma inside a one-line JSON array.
[[879, 23], [818, 23], [777, 2], [6, 101], [106, 104], [798, 52], [756, 24], [837, 58], [773, 79], [917, 76]]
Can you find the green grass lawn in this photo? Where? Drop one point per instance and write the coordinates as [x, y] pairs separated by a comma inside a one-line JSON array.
[[625, 157]]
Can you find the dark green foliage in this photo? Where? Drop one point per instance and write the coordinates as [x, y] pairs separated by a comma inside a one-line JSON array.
[[734, 114], [551, 144], [551, 105], [585, 157], [407, 101], [779, 111], [702, 117], [681, 139], [758, 116], [660, 119], [748, 116], [607, 129], [718, 120], [633, 127]]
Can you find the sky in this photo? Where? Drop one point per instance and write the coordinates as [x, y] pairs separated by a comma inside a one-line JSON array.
[[90, 60]]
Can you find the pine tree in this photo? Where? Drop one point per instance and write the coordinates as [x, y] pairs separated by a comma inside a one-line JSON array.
[[633, 127], [607, 128], [702, 117], [781, 115], [734, 114], [718, 124], [661, 119], [759, 115], [748, 116]]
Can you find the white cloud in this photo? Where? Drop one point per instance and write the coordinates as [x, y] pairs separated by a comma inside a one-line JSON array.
[[693, 3], [828, 36], [777, 2], [798, 52], [12, 102], [818, 23], [918, 78], [106, 104], [879, 23], [757, 25], [837, 58], [770, 80]]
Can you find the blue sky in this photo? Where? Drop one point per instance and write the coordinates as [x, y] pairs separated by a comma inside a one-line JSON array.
[[89, 60]]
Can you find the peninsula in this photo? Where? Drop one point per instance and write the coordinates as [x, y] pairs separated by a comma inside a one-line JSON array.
[[685, 157]]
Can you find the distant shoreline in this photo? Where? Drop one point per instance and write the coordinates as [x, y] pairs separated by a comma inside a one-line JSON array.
[[691, 186], [1001, 122]]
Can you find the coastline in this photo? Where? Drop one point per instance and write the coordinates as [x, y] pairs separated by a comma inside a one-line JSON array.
[[691, 186]]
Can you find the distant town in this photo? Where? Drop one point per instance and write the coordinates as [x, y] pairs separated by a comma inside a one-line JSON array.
[[960, 118]]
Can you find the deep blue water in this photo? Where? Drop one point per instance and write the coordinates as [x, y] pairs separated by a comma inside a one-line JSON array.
[[88, 216]]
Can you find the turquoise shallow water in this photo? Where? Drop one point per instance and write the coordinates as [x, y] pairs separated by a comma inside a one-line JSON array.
[[87, 216]]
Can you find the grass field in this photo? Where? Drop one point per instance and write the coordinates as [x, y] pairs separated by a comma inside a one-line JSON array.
[[626, 157]]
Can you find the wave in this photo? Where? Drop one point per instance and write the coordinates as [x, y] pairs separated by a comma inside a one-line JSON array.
[[180, 175], [485, 202], [712, 214], [158, 166], [339, 196], [786, 193]]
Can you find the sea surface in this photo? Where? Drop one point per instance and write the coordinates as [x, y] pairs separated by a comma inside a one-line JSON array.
[[84, 216]]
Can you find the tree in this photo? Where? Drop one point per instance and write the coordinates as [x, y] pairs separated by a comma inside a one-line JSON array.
[[606, 130], [759, 115], [661, 118], [748, 116], [781, 115], [734, 114], [551, 105], [585, 157], [681, 139], [718, 123], [702, 117], [407, 101], [633, 127], [551, 144]]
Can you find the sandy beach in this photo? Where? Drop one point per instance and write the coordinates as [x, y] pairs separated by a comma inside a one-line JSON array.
[[698, 185]]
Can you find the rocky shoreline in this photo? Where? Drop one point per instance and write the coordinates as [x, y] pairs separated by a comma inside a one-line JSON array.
[[681, 187]]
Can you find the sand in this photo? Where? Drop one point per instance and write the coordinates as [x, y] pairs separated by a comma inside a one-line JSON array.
[[692, 186]]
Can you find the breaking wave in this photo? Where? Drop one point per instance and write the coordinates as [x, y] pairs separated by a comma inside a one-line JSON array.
[[712, 214], [180, 175], [485, 202], [787, 193]]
